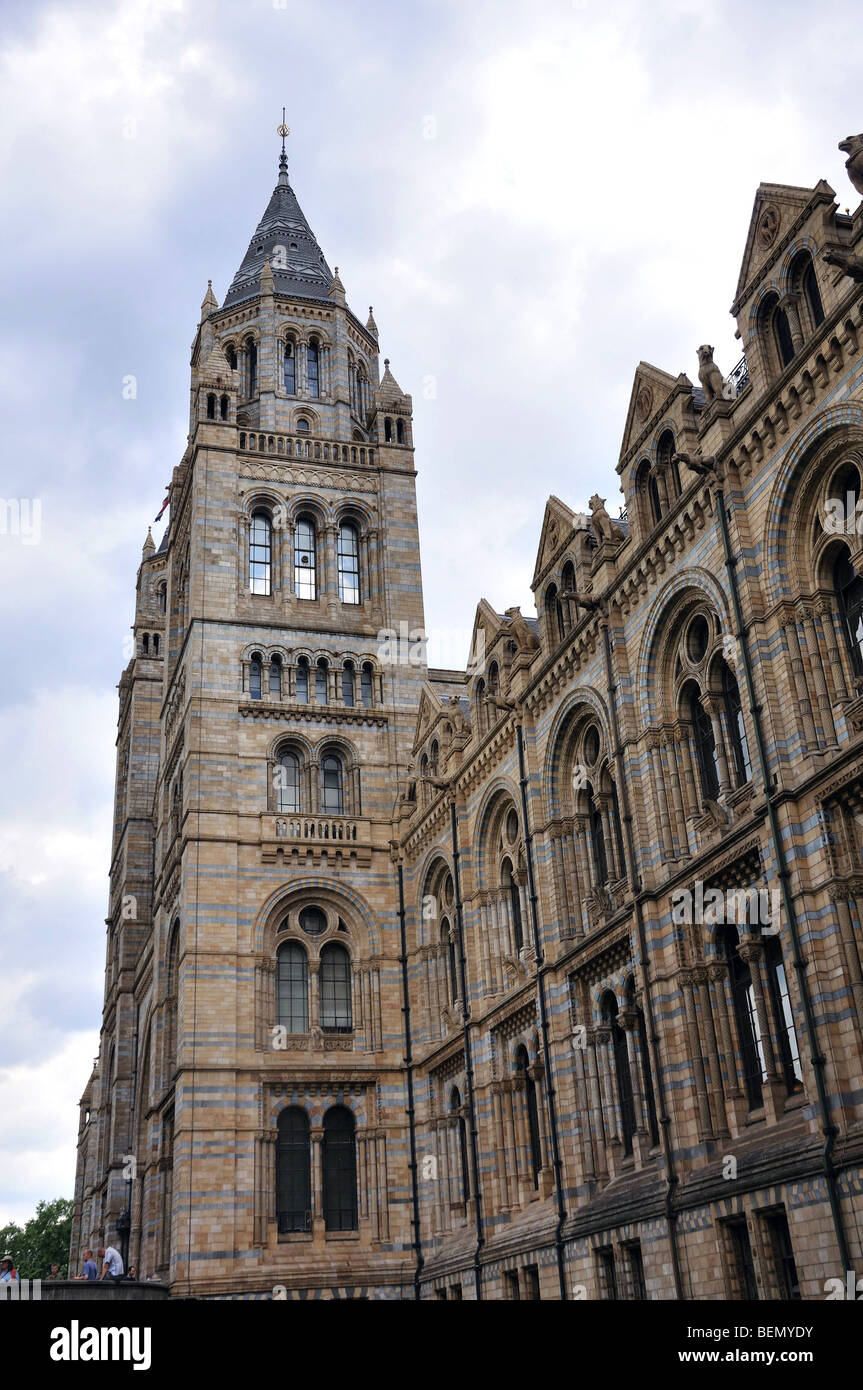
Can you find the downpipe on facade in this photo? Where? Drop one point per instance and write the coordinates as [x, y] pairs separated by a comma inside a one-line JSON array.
[[409, 1071]]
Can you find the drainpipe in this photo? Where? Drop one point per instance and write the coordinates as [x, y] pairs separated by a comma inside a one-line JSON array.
[[543, 1016], [468, 1057], [819, 1061], [409, 1071], [671, 1177]]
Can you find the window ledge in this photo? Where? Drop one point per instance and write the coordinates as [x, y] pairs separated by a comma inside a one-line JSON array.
[[295, 1237], [342, 1235]]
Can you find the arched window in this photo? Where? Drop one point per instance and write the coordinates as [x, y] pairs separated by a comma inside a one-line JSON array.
[[597, 838], [507, 882], [461, 1133], [348, 686], [813, 296], [312, 367], [804, 282], [251, 368], [335, 979], [366, 688], [849, 591], [655, 500], [146, 643], [340, 1170], [276, 677], [255, 676], [746, 1017], [554, 615], [290, 369], [400, 431], [231, 355], [568, 584], [736, 725], [705, 747], [434, 757], [288, 783], [388, 430], [293, 1172], [303, 426], [783, 1018], [321, 683], [349, 564], [260, 553], [522, 1065], [775, 320], [211, 406], [303, 680], [224, 407], [622, 1072], [305, 582], [163, 598], [665, 456], [155, 644], [332, 793], [292, 987]]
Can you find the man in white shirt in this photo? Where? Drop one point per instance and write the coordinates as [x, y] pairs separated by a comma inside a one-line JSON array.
[[112, 1263]]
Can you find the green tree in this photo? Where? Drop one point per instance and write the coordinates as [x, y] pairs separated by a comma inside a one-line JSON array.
[[43, 1241]]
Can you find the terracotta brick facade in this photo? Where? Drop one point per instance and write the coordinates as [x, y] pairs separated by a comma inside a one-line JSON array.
[[599, 892]]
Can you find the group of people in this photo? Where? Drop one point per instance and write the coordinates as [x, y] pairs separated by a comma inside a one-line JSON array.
[[110, 1258], [112, 1265]]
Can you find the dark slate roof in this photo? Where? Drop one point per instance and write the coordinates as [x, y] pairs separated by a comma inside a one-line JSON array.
[[302, 271], [163, 543]]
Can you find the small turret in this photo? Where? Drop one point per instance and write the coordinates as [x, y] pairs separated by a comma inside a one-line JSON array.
[[149, 547], [337, 290], [209, 303], [371, 326]]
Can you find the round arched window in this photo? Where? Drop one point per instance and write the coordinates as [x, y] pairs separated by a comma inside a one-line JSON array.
[[512, 826], [313, 921], [697, 638], [591, 745]]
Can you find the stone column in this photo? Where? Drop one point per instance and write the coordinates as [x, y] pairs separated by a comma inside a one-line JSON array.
[[801, 688], [815, 663], [662, 799], [695, 1052], [712, 705], [317, 1139], [829, 618], [701, 976]]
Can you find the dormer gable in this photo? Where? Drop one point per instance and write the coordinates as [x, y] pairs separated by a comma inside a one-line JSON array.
[[779, 213], [559, 525], [650, 397]]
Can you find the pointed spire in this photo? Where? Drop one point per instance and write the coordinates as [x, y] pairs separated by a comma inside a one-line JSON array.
[[337, 290], [299, 268], [149, 546], [389, 391], [370, 323], [267, 280], [210, 303]]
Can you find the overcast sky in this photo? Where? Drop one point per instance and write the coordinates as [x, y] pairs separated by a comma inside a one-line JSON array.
[[532, 196]]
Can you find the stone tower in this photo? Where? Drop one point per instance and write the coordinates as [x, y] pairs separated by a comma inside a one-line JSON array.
[[253, 998]]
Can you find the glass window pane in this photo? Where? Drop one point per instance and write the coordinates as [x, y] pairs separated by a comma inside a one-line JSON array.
[[335, 981], [304, 559], [293, 988], [349, 565], [260, 551]]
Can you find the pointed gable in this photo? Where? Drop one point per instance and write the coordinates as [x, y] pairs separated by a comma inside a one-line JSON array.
[[558, 525], [487, 625], [776, 210], [429, 709], [650, 390], [285, 238]]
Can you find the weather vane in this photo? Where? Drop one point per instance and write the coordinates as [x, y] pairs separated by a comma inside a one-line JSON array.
[[283, 130]]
